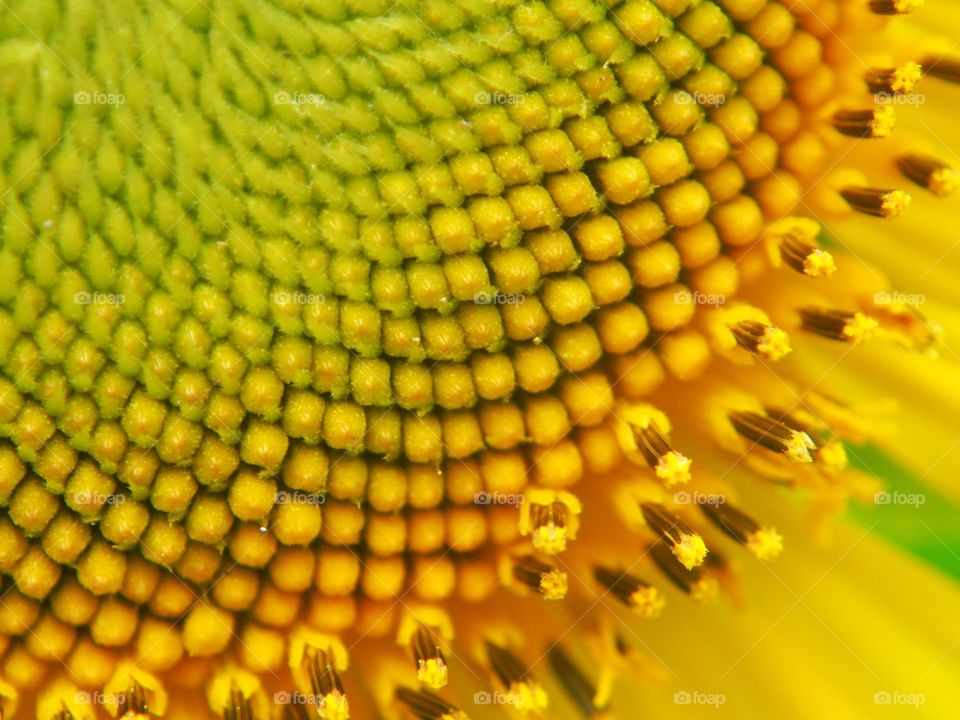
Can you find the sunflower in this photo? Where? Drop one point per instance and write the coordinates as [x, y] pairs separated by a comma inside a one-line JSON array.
[[409, 358]]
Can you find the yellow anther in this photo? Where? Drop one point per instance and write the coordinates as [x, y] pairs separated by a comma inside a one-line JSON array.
[[873, 123], [773, 435], [877, 202], [931, 173], [551, 518], [764, 542], [843, 325], [687, 546], [642, 432], [316, 660], [640, 597]]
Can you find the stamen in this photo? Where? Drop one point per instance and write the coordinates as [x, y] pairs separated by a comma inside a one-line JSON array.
[[767, 341], [431, 665], [541, 577], [427, 706], [578, 687], [817, 263], [63, 714], [505, 664], [642, 434], [931, 173], [325, 684], [687, 545], [763, 542], [894, 7], [315, 661], [877, 202], [798, 248], [696, 583], [876, 122], [942, 67], [238, 706], [894, 80], [774, 435], [842, 325], [549, 527], [293, 711], [133, 703], [788, 418], [622, 646], [526, 694], [637, 595], [829, 451], [551, 518]]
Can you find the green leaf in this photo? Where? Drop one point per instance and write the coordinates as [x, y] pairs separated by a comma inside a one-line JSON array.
[[908, 513]]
